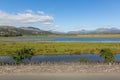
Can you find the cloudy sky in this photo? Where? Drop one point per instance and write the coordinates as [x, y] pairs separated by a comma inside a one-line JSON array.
[[60, 15]]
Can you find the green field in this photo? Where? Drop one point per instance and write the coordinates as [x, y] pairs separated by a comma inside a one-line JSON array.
[[55, 48]]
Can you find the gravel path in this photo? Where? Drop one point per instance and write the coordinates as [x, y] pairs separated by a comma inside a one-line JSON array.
[[60, 77], [61, 67]]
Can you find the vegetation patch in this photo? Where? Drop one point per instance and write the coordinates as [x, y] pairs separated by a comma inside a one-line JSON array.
[[24, 53], [107, 55], [55, 48]]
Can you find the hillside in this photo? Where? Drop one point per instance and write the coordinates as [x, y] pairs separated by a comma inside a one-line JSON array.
[[14, 31]]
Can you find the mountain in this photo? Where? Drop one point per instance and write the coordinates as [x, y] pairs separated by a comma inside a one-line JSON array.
[[11, 30], [97, 31], [30, 28], [56, 32], [79, 32]]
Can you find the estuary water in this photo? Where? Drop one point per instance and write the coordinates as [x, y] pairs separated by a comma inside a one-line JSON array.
[[57, 58], [58, 39], [61, 58]]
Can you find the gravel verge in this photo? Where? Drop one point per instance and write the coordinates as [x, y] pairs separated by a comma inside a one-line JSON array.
[[62, 67]]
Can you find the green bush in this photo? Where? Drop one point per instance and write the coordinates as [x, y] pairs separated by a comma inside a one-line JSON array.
[[24, 53], [107, 55]]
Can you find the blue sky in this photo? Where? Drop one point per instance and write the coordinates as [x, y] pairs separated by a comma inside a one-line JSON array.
[[61, 15]]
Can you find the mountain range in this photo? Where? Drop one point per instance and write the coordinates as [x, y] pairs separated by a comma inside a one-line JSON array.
[[11, 30], [97, 31]]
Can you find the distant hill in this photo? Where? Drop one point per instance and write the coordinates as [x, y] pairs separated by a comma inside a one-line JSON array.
[[30, 28], [14, 31], [11, 30], [97, 31], [33, 30], [57, 32]]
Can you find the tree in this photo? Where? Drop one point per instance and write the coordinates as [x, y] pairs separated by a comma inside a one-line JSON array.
[[107, 55], [24, 53]]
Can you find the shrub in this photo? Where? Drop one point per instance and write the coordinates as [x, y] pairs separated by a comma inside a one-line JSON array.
[[24, 53], [107, 55]]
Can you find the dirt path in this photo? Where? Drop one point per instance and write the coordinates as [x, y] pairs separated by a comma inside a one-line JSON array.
[[63, 67], [60, 77], [61, 71]]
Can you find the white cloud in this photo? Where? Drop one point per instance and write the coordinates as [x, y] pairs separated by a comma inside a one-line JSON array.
[[29, 11], [48, 23], [21, 19], [29, 18], [41, 12]]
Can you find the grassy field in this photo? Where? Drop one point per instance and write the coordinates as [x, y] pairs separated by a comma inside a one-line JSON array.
[[55, 48], [99, 35]]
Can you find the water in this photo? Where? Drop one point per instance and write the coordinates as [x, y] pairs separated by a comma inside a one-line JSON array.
[[67, 58], [6, 59], [62, 58], [59, 39]]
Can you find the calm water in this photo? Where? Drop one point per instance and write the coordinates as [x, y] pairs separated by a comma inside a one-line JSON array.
[[62, 58], [61, 39]]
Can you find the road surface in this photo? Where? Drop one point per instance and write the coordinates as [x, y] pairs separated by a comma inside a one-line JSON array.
[[60, 76]]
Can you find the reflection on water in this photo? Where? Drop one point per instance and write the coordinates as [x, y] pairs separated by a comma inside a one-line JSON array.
[[61, 58], [91, 57]]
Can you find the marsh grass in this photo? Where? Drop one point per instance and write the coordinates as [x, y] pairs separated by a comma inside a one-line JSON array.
[[99, 35], [55, 48], [88, 35]]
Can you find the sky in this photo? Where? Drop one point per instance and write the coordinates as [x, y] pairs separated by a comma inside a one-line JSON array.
[[61, 15]]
